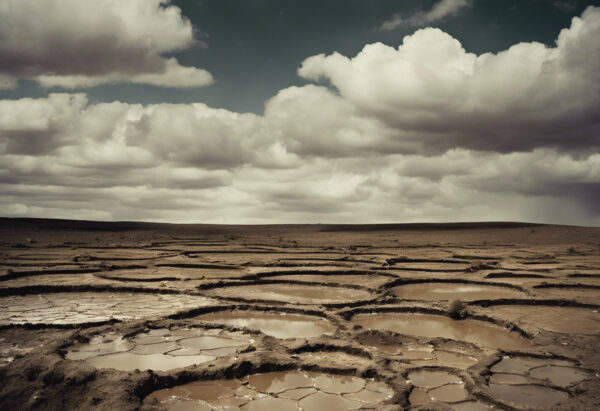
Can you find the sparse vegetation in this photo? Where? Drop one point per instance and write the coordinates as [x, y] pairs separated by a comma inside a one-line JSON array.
[[457, 309]]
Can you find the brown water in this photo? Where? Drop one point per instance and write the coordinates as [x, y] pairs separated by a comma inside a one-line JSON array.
[[286, 390], [557, 319], [501, 378], [418, 396], [207, 342], [432, 379], [372, 281], [528, 395], [339, 384], [126, 361], [449, 393], [301, 294], [425, 325], [559, 376], [450, 291], [470, 406], [330, 402], [276, 325], [522, 365], [160, 349], [271, 404], [274, 382], [368, 397]]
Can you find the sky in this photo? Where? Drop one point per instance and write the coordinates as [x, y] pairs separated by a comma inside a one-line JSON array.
[[286, 111]]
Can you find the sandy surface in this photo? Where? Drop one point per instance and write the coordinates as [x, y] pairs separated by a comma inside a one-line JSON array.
[[148, 316]]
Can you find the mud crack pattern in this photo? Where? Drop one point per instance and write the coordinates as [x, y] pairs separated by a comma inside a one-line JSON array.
[[299, 317]]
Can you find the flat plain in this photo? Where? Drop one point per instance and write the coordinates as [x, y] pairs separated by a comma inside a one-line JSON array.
[[465, 316]]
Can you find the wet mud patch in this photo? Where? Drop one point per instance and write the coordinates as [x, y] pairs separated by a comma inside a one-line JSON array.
[[429, 261], [284, 390], [431, 386], [287, 292], [430, 267], [412, 351], [538, 382], [274, 324], [588, 293], [159, 349], [551, 317], [199, 266], [276, 270], [451, 290], [433, 326], [54, 280], [156, 273], [123, 254], [64, 308], [372, 281], [18, 273], [177, 260], [528, 395]]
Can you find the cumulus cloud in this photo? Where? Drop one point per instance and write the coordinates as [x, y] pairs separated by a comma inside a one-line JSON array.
[[425, 131], [129, 161], [525, 97], [440, 10], [314, 121], [61, 43]]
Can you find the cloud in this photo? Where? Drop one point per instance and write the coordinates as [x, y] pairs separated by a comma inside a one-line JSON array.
[[518, 99], [440, 10], [314, 121], [422, 132], [66, 44], [190, 162], [106, 134]]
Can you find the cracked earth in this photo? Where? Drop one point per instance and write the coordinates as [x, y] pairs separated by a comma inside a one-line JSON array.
[[135, 316]]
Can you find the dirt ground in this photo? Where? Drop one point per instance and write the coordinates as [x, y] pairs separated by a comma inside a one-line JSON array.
[[128, 316]]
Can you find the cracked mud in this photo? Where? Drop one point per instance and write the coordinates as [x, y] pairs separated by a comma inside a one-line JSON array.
[[464, 317]]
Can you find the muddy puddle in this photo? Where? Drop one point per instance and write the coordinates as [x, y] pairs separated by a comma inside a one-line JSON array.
[[432, 291], [287, 390], [558, 372], [269, 299], [452, 354], [354, 279], [553, 318], [278, 325], [159, 350], [528, 395], [429, 386], [90, 307], [534, 382], [582, 292], [432, 326], [292, 293]]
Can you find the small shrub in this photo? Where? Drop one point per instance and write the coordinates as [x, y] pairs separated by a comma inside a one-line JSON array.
[[456, 309]]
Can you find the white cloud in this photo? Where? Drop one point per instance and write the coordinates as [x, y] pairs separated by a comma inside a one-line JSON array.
[[72, 43], [189, 162], [314, 121], [426, 131], [174, 75], [440, 10], [518, 99]]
